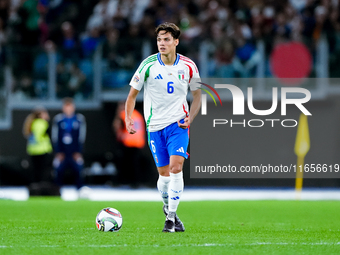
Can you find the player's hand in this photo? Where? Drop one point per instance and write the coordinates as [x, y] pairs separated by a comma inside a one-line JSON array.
[[129, 125], [186, 123], [60, 156], [77, 156]]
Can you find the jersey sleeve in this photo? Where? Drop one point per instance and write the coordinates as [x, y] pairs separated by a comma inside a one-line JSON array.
[[140, 75], [194, 76], [142, 72], [137, 80]]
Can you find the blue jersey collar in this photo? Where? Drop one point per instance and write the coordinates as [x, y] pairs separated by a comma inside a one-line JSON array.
[[161, 62]]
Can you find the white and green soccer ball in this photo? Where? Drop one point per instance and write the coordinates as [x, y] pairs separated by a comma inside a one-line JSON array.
[[109, 220]]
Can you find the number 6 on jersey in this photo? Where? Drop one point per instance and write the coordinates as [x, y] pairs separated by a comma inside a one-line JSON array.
[[170, 88]]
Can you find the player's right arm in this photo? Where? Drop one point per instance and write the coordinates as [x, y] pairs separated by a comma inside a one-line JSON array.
[[129, 107], [136, 84]]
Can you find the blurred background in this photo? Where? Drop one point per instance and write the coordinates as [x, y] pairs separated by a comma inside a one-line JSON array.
[[89, 50]]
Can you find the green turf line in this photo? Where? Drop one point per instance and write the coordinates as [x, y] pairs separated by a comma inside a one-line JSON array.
[[53, 226]]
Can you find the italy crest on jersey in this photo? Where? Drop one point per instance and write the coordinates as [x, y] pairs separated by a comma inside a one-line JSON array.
[[181, 74]]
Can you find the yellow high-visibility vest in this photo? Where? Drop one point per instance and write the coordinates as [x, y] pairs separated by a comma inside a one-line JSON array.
[[39, 143]]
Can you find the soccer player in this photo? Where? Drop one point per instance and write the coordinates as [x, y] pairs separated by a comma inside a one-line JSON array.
[[68, 137], [166, 77]]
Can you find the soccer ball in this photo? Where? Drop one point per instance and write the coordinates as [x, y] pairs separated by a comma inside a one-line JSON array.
[[109, 220]]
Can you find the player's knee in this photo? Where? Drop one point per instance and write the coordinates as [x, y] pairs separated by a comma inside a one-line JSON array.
[[164, 170], [176, 168]]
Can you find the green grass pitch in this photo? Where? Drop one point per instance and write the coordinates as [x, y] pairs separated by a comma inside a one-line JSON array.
[[53, 226]]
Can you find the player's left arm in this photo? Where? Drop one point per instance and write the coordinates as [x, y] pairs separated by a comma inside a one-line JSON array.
[[194, 109], [82, 132], [77, 155]]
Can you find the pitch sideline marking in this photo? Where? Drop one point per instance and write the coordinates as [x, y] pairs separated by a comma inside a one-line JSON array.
[[174, 245]]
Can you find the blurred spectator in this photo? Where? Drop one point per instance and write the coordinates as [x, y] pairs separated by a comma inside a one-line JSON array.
[[63, 76], [76, 82], [134, 45], [121, 53], [320, 21], [151, 9], [30, 19], [90, 41], [114, 49], [28, 24], [268, 21], [70, 80], [23, 87], [35, 130], [324, 26], [137, 11], [281, 29], [129, 163], [334, 59], [43, 27], [28, 31], [103, 13], [246, 58], [148, 25], [308, 20], [70, 48], [3, 40], [119, 21], [68, 136], [224, 56], [4, 11]]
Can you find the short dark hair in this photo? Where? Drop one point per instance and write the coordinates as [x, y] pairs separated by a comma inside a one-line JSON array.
[[169, 27], [68, 100]]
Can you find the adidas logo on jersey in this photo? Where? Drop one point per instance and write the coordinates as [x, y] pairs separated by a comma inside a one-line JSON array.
[[159, 77], [180, 150]]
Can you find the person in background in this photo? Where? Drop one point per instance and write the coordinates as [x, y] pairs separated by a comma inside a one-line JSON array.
[[131, 146], [38, 142], [69, 44], [68, 137]]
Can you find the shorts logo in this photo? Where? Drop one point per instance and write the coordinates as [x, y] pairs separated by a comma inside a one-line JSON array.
[[180, 150], [153, 147]]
